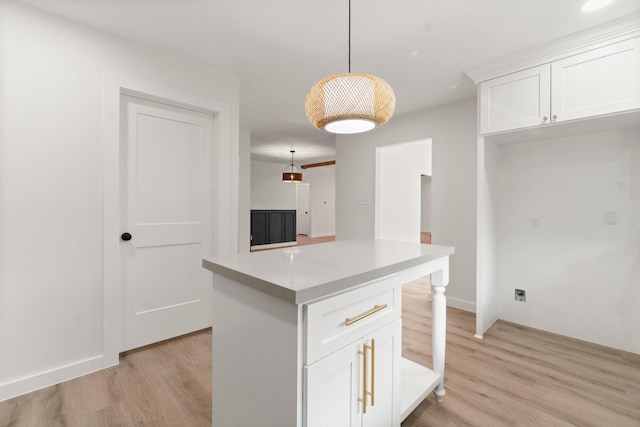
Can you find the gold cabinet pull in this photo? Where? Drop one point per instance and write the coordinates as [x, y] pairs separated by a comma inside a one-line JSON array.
[[349, 321], [363, 399], [365, 371], [373, 371]]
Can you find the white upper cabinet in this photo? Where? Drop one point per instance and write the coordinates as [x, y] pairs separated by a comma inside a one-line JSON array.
[[597, 82], [515, 101], [600, 81]]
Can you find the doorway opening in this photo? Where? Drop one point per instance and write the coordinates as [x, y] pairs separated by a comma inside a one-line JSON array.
[[400, 206], [425, 209]]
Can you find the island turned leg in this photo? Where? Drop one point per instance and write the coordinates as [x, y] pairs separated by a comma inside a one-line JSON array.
[[439, 280]]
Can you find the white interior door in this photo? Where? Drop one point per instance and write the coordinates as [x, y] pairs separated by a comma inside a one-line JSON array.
[[303, 219], [166, 207]]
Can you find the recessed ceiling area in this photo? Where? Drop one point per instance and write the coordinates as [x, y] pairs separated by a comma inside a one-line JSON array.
[[279, 49]]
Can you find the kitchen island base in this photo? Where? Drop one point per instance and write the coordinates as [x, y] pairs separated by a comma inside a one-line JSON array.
[[291, 348]]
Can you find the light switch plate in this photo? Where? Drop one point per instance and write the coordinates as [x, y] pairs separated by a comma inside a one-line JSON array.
[[534, 224], [610, 218]]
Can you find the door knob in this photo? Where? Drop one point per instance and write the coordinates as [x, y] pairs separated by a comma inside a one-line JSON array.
[[126, 237]]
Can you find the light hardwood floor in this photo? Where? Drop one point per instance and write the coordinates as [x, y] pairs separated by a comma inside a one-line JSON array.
[[519, 376], [515, 376], [167, 384], [302, 240]]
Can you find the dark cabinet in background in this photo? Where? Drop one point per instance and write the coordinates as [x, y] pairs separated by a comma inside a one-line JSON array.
[[259, 228], [272, 226]]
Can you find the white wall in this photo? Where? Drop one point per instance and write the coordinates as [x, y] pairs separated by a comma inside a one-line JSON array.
[[322, 199], [52, 321], [582, 277], [267, 189], [487, 307], [244, 208], [400, 166], [452, 129], [425, 203]]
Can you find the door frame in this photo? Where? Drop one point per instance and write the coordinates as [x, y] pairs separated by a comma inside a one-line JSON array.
[[384, 229], [225, 184]]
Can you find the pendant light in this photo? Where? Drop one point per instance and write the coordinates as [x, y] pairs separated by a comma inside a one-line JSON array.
[[350, 102], [292, 173]]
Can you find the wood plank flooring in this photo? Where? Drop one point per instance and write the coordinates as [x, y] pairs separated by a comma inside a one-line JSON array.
[[519, 376], [515, 376], [301, 239], [166, 384]]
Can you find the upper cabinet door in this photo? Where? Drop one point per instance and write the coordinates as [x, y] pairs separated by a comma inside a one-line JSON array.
[[600, 81], [516, 100]]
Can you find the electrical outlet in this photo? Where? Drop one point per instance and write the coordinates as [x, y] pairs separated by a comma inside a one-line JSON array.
[[521, 295]]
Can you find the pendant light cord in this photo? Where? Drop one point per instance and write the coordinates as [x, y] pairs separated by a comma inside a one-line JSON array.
[[349, 35]]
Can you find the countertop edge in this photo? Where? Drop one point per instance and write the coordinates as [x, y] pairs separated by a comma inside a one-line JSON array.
[[264, 286], [321, 290], [344, 284]]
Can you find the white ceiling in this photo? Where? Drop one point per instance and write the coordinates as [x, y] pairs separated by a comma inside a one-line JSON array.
[[280, 48]]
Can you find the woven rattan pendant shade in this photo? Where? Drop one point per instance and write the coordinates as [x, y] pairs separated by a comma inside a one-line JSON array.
[[350, 102], [347, 99]]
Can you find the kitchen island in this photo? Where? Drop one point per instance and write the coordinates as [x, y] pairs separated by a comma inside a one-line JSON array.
[[311, 336]]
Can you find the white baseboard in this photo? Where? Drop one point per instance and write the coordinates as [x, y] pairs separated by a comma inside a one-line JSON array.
[[313, 236], [480, 335], [43, 379], [461, 304]]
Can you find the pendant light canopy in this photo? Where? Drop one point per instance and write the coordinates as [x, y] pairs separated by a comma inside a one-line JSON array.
[[292, 174], [350, 102]]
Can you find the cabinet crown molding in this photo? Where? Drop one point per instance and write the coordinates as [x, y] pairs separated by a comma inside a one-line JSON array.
[[602, 35]]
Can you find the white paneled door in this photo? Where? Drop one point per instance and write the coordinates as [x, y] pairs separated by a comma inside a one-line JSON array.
[[304, 208], [166, 215]]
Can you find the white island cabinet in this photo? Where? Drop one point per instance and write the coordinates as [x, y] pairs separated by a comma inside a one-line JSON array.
[[311, 336]]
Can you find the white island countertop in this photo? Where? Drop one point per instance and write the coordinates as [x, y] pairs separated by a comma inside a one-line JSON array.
[[299, 274]]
